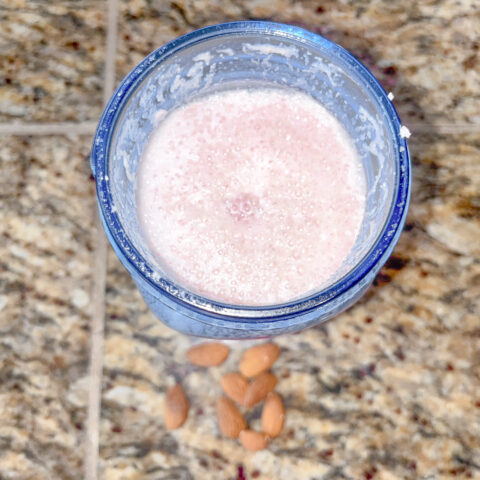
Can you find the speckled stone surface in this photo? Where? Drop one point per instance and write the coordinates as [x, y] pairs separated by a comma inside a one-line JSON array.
[[388, 390], [46, 228], [52, 60], [426, 53]]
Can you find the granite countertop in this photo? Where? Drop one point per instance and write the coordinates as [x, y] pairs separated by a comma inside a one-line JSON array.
[[388, 390]]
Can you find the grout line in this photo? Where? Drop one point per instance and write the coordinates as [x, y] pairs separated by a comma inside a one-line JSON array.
[[444, 128], [89, 127], [96, 352], [100, 273], [64, 128], [111, 50]]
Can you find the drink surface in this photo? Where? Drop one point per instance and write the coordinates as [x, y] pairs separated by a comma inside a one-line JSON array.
[[251, 197]]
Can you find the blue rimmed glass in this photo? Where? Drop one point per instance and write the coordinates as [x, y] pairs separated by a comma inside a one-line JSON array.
[[251, 54]]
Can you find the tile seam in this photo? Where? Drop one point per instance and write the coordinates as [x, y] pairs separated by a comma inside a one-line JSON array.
[[99, 284]]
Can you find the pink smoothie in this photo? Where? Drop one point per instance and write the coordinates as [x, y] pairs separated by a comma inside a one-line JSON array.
[[251, 197]]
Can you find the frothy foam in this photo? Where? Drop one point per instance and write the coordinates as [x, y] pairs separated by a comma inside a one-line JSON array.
[[251, 197]]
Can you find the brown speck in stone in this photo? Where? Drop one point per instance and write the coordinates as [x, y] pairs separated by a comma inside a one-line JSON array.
[[117, 429], [398, 411], [59, 361], [390, 70], [92, 48], [408, 227], [356, 339], [412, 465], [126, 37], [68, 83], [132, 408], [199, 411], [73, 44], [450, 367], [320, 9], [216, 454], [291, 434], [399, 354], [469, 208], [477, 404], [364, 371], [399, 329], [369, 320], [423, 273], [345, 335], [79, 426], [203, 463], [285, 374], [326, 453], [457, 471], [470, 62], [415, 418], [370, 473], [382, 279], [255, 474], [396, 263], [8, 81]]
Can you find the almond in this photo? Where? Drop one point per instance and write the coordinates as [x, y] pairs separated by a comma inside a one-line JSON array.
[[235, 385], [208, 354], [253, 440], [176, 407], [230, 420], [258, 359], [259, 388], [273, 415]]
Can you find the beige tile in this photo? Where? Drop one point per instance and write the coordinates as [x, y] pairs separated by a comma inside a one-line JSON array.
[[426, 53], [52, 60], [46, 245], [389, 389]]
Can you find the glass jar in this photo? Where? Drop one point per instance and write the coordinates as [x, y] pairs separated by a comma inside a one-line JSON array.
[[251, 54]]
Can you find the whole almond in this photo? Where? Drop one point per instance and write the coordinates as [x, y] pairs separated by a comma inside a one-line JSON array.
[[208, 354], [273, 415], [259, 388], [176, 407], [258, 359], [230, 420], [235, 385], [253, 440]]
